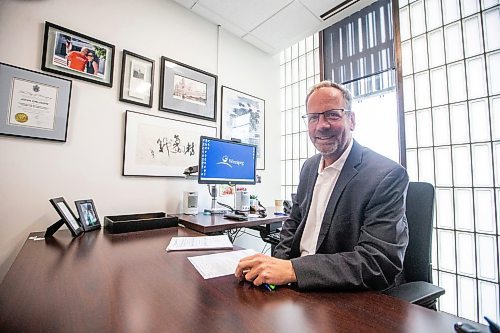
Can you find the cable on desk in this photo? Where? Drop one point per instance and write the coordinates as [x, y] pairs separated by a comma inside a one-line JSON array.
[[233, 234], [227, 206]]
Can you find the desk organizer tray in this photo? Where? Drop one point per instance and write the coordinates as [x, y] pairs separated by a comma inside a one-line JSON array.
[[138, 222]]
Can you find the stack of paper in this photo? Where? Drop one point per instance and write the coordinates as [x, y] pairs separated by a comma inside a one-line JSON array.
[[219, 264], [199, 243]]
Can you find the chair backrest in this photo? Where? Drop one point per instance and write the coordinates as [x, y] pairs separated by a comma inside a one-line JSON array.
[[419, 214]]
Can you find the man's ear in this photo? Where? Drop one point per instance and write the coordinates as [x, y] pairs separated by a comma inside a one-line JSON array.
[[353, 121]]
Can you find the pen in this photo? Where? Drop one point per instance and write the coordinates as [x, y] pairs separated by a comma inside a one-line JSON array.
[[282, 214], [269, 287]]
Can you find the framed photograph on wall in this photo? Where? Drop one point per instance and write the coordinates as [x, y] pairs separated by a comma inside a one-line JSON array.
[[187, 90], [161, 147], [136, 84], [242, 117], [76, 55], [32, 104]]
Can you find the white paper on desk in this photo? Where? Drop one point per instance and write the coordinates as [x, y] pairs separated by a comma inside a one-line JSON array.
[[199, 243], [219, 264]]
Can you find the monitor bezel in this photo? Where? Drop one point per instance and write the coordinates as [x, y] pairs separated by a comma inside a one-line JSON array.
[[203, 181]]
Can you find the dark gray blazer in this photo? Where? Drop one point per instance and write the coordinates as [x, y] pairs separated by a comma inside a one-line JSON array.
[[364, 234]]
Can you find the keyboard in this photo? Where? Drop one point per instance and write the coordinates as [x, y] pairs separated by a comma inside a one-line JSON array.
[[236, 217], [274, 236]]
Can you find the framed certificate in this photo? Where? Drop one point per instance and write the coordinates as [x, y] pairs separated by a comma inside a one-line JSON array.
[[33, 104]]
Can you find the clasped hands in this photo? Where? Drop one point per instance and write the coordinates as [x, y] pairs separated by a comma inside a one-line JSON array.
[[260, 268]]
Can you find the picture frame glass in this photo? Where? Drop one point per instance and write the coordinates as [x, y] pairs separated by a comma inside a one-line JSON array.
[[76, 55], [187, 90], [161, 147], [137, 78], [87, 213], [33, 104], [243, 118], [62, 208]]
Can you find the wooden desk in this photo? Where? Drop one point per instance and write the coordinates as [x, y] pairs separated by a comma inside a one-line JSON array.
[[208, 224], [128, 283]]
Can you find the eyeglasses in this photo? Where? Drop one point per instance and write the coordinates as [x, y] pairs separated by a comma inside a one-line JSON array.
[[332, 116]]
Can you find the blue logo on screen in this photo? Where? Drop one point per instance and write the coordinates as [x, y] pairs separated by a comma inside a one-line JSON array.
[[228, 161], [224, 161]]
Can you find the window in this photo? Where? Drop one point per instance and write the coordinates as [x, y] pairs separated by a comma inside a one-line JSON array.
[[451, 61], [299, 70]]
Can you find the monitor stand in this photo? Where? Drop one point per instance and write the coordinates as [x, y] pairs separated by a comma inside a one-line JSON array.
[[213, 210]]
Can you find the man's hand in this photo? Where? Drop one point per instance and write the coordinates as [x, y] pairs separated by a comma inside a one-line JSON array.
[[261, 268]]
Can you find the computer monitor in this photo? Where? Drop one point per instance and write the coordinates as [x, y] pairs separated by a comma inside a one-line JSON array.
[[226, 162]]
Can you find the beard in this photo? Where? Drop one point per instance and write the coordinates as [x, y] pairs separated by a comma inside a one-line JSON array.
[[327, 148], [330, 144]]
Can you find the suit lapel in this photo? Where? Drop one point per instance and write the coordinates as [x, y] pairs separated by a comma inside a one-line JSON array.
[[348, 172], [312, 175]]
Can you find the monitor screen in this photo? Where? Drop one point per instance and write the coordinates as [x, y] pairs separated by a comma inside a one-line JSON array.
[[226, 162]]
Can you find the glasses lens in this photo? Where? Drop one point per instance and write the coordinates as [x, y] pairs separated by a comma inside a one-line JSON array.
[[333, 115]]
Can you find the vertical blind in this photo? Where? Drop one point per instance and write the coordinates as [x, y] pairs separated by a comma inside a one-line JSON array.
[[361, 46]]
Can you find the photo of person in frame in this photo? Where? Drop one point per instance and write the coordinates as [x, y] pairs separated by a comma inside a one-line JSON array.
[[88, 214], [79, 55]]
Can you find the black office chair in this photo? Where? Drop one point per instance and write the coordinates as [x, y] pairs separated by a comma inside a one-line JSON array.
[[418, 288]]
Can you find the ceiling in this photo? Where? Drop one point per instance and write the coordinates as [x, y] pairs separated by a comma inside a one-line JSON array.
[[272, 25]]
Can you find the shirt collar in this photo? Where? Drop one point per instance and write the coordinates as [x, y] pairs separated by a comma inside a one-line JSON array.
[[338, 164]]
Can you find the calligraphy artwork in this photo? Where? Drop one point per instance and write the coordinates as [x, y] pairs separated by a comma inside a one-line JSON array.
[[161, 147]]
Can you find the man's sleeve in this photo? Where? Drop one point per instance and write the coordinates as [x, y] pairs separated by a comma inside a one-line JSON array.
[[377, 258], [282, 250], [289, 228]]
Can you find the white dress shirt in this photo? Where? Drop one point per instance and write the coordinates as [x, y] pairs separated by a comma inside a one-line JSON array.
[[327, 178]]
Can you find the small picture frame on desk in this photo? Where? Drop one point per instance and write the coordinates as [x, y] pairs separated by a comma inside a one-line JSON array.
[[89, 219], [67, 216]]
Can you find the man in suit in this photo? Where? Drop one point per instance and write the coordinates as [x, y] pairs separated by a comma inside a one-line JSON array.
[[347, 229]]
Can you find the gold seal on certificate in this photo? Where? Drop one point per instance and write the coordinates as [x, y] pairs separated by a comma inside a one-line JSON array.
[[33, 104], [21, 117]]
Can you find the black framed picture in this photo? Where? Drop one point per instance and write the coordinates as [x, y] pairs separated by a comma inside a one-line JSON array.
[[243, 117], [161, 147], [62, 208], [33, 105], [89, 219], [76, 55], [136, 84], [187, 90]]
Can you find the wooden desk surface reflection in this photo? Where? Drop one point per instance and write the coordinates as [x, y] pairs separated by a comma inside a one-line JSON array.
[[128, 283]]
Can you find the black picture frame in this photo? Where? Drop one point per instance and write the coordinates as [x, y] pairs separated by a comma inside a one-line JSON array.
[[187, 90], [69, 218], [137, 74], [89, 220], [33, 105], [251, 127], [60, 45], [160, 147]]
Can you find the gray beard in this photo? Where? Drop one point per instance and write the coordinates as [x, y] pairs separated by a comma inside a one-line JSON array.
[[326, 152]]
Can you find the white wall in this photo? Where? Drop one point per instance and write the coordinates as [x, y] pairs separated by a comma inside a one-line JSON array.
[[33, 171]]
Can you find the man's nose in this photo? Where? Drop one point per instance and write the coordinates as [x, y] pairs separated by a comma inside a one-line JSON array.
[[322, 122]]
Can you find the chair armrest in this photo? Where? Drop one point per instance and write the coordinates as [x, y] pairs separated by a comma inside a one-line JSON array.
[[417, 292]]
